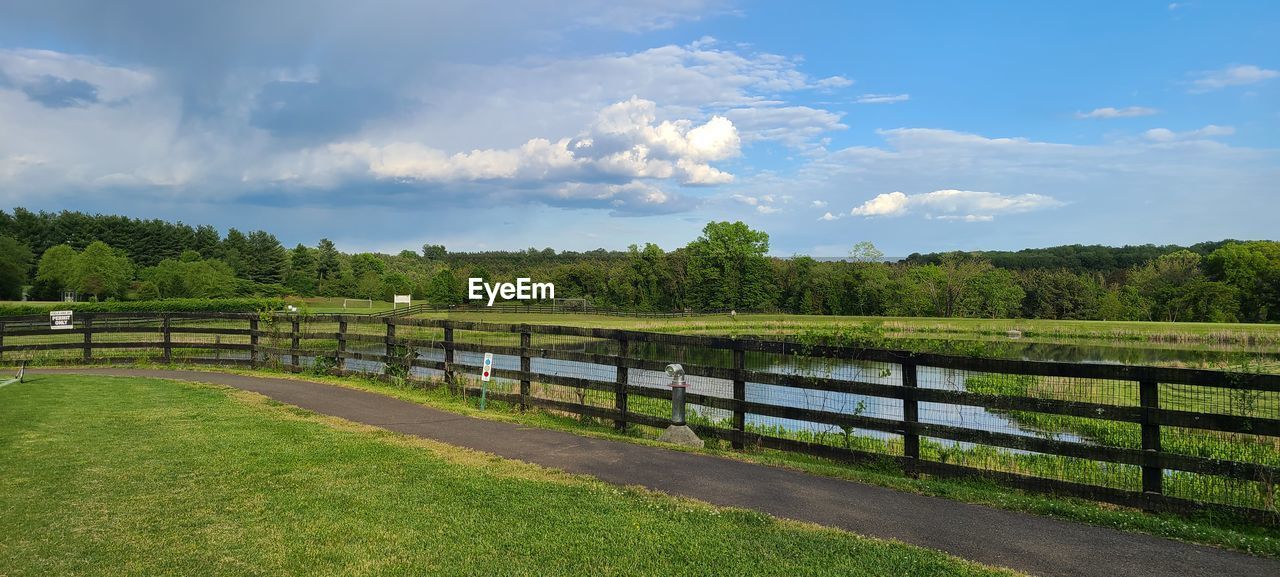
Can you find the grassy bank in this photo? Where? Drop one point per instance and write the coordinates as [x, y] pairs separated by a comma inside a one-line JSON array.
[[790, 324], [114, 476]]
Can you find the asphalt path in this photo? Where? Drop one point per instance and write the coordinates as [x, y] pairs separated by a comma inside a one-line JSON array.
[[1024, 542]]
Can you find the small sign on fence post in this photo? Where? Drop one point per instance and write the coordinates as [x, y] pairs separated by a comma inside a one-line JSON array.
[[59, 319], [485, 375], [398, 300]]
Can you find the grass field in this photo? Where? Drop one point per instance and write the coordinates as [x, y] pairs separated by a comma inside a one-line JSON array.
[[327, 305], [114, 476], [781, 324]]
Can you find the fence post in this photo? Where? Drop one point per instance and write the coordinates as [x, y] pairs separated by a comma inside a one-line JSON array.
[[342, 345], [620, 385], [390, 346], [910, 416], [165, 328], [739, 395], [253, 342], [88, 336], [448, 355], [1152, 474], [526, 365], [294, 343], [1, 341]]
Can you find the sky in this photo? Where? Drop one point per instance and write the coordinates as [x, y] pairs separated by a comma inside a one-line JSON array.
[[580, 124]]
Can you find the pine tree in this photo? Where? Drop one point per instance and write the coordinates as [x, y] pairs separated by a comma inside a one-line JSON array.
[[266, 260]]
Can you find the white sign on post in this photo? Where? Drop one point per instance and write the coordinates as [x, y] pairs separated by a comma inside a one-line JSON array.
[[401, 300], [59, 319], [488, 366]]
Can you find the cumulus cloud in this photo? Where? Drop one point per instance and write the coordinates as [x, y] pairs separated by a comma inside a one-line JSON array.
[[610, 164], [967, 205], [1109, 112], [1166, 135], [1237, 75], [882, 98], [828, 217], [819, 204]]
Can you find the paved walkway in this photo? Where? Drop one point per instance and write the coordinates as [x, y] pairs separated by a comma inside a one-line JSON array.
[[1029, 543]]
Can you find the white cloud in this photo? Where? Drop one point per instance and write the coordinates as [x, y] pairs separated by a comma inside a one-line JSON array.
[[1166, 135], [625, 142], [967, 217], [882, 98], [1109, 112], [819, 204], [795, 126], [1237, 75], [828, 217], [833, 82], [762, 209], [967, 205]]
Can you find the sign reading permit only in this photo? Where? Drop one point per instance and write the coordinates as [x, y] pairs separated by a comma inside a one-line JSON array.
[[59, 319], [488, 367]]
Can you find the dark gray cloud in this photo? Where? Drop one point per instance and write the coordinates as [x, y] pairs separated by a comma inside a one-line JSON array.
[[317, 109], [54, 92]]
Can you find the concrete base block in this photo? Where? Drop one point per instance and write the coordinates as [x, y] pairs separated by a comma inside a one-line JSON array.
[[681, 435]]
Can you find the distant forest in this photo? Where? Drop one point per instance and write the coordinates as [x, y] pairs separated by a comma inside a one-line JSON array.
[[104, 257]]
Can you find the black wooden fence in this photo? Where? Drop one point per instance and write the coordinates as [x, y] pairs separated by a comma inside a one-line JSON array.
[[1156, 438]]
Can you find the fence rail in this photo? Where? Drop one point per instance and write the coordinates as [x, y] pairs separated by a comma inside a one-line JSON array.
[[1158, 438]]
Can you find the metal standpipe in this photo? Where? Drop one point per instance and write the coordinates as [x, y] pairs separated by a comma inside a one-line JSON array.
[[678, 387], [679, 432]]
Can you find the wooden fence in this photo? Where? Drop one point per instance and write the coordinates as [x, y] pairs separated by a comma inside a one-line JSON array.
[[1220, 430]]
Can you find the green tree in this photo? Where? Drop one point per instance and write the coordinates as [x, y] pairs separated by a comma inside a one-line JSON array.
[[728, 268], [1253, 269], [1162, 282], [266, 261], [327, 265], [102, 271], [434, 252], [303, 278], [235, 249], [55, 273], [866, 252], [445, 288], [191, 277], [15, 263], [994, 293], [395, 283], [206, 241]]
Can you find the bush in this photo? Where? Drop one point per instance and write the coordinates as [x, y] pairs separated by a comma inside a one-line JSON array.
[[236, 305]]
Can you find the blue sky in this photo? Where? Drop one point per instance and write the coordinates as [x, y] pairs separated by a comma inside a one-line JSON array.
[[578, 124]]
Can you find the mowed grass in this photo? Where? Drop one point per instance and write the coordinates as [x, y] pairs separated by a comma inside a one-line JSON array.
[[116, 476]]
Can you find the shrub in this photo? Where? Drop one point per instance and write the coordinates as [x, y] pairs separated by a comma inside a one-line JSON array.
[[236, 305]]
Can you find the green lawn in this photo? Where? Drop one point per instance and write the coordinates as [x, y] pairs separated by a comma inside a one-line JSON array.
[[115, 476]]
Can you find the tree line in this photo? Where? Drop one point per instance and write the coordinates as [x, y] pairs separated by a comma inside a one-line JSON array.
[[727, 267]]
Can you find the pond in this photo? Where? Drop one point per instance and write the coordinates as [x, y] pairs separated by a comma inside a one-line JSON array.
[[864, 405]]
